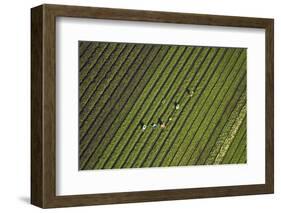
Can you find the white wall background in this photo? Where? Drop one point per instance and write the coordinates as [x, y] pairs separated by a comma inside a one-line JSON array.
[[15, 105]]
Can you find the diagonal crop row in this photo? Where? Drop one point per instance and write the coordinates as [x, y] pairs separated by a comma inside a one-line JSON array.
[[85, 54], [220, 96], [120, 152], [227, 111], [240, 150], [203, 149], [125, 106], [231, 126], [137, 72], [232, 108], [243, 156], [231, 135], [107, 73], [109, 90], [213, 140], [156, 107], [83, 48], [190, 111], [166, 139], [93, 55], [157, 79], [106, 89], [95, 70], [235, 143], [149, 151], [150, 105], [114, 89]]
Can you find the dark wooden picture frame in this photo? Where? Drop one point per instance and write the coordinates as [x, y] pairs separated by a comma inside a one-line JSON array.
[[43, 105]]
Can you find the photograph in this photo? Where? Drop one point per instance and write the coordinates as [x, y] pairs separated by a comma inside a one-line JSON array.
[[155, 105]]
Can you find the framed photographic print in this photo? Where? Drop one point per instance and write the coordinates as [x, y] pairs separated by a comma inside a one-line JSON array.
[[136, 106]]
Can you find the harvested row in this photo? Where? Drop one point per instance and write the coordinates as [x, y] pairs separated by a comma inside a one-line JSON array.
[[224, 95], [231, 135], [225, 118], [231, 128], [239, 136], [224, 141], [224, 121], [173, 139]]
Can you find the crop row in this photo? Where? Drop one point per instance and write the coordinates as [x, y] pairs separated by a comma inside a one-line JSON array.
[[153, 103]]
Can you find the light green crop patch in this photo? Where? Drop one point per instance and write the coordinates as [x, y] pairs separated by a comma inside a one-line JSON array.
[[151, 105]]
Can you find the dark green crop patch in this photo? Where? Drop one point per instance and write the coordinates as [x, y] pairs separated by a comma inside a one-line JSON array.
[[151, 105]]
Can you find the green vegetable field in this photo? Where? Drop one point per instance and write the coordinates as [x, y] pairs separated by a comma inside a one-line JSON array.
[[150, 105]]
